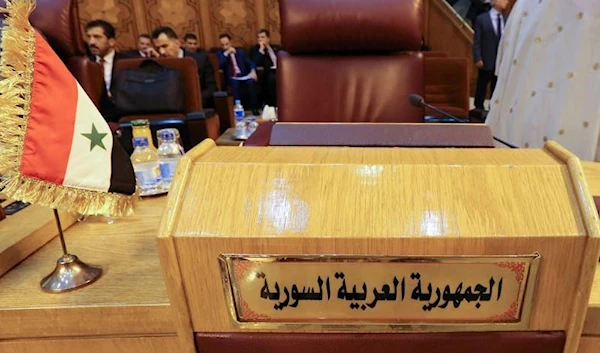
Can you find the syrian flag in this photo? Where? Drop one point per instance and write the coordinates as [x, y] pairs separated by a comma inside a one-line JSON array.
[[55, 147]]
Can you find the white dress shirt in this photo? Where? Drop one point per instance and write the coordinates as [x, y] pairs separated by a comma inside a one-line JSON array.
[[181, 54], [109, 59], [494, 17]]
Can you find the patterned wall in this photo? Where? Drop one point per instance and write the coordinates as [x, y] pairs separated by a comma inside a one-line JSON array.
[[206, 18]]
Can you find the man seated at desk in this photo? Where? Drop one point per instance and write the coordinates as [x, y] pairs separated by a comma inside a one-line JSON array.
[[168, 44], [238, 69]]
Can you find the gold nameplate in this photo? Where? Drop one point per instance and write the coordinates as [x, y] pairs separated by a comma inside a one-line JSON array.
[[380, 290]]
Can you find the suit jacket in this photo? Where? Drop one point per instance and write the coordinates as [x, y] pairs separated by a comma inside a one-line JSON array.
[[263, 60], [108, 109], [485, 42], [477, 8], [243, 62], [206, 75], [132, 54]]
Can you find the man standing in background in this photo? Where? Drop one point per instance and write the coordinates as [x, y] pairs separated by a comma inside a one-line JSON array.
[[549, 77], [488, 28], [264, 55]]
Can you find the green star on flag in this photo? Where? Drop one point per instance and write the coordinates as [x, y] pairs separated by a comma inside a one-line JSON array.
[[95, 138]]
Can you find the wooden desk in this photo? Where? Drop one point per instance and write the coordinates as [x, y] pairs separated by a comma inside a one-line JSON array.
[[590, 342], [228, 138], [126, 310]]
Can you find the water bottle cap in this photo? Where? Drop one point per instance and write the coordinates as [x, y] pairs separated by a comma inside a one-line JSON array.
[[237, 101], [167, 135], [140, 122], [140, 142]]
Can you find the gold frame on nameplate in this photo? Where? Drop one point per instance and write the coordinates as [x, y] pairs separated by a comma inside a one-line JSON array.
[[232, 296]]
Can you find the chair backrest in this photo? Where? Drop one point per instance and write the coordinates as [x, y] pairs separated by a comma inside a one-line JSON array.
[[189, 72], [58, 20], [343, 67], [214, 61]]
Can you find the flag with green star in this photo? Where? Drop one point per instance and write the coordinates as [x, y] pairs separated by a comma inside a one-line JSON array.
[[60, 152]]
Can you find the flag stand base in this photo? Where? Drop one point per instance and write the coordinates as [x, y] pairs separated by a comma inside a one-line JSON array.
[[70, 274]]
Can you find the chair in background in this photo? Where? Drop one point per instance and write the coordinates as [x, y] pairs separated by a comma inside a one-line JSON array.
[[447, 85], [59, 21], [201, 123], [358, 68]]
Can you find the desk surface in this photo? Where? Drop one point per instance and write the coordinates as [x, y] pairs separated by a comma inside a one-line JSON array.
[[120, 302], [131, 292]]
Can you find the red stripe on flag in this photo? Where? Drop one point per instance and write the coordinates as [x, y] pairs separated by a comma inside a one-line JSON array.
[[52, 117]]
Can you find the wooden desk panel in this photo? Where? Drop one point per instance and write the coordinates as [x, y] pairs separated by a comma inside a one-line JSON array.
[[589, 344], [164, 344], [130, 298], [592, 175]]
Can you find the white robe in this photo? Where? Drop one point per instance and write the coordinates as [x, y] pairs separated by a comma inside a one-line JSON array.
[[549, 76]]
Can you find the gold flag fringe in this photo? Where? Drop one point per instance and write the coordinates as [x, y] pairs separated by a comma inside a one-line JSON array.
[[16, 77]]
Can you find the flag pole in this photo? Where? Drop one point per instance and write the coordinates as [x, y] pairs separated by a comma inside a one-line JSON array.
[[70, 272], [60, 233]]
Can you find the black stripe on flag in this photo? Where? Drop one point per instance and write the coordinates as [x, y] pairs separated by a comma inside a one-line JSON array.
[[122, 178]]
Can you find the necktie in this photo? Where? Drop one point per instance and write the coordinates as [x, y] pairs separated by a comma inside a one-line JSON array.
[[499, 26], [272, 55], [234, 66]]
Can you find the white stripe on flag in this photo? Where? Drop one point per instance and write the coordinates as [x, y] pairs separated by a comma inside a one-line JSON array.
[[89, 169]]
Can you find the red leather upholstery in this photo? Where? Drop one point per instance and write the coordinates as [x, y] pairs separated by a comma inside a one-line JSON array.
[[89, 74], [349, 88], [447, 85], [344, 61], [342, 26], [59, 21], [455, 342], [372, 135]]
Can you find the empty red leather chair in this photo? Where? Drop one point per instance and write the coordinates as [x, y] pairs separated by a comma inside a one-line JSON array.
[[350, 61], [58, 20]]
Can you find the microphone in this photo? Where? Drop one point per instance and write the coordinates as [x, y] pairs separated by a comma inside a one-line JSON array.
[[419, 102]]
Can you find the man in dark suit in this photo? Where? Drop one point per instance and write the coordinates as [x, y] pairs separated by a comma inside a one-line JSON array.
[[190, 42], [235, 64], [477, 8], [488, 32], [101, 44], [264, 55], [144, 48], [168, 45]]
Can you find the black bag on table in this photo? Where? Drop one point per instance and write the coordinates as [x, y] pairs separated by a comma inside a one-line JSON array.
[[150, 88]]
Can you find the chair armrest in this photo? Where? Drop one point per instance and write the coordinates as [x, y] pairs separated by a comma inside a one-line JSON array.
[[201, 125], [204, 114], [224, 108]]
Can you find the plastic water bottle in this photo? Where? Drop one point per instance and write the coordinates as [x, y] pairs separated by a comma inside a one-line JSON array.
[[240, 121], [168, 156], [146, 166], [252, 125]]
